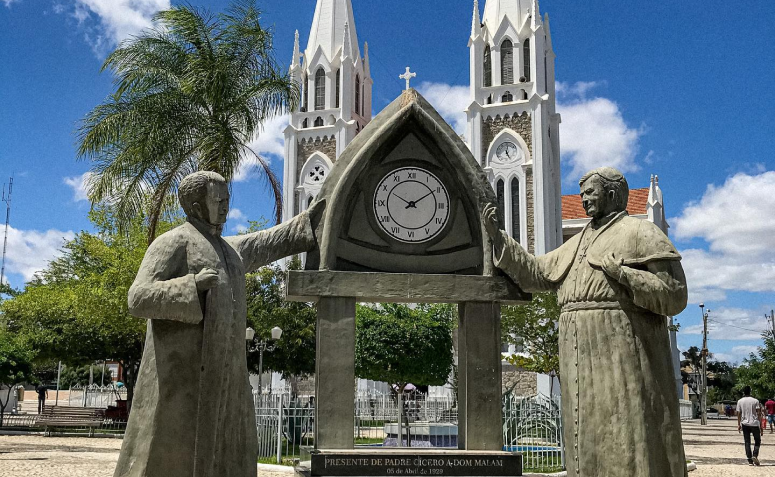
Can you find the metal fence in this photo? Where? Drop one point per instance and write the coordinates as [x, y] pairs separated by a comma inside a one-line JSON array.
[[95, 395], [531, 425]]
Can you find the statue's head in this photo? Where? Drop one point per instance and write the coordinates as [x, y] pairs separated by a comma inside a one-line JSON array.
[[205, 195], [604, 191]]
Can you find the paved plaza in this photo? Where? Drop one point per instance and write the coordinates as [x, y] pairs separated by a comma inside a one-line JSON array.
[[717, 449]]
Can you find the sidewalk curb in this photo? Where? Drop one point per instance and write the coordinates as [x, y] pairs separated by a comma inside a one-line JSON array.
[[284, 469]]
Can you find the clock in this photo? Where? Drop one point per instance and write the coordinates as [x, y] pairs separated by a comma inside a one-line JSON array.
[[508, 152], [411, 205]]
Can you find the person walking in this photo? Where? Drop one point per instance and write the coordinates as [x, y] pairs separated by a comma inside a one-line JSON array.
[[749, 416], [770, 406], [42, 395]]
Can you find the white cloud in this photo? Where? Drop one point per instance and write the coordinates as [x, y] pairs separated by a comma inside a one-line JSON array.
[[29, 251], [593, 132], [735, 220], [78, 184], [236, 214], [108, 22], [269, 144], [732, 324], [9, 2], [450, 101], [238, 220]]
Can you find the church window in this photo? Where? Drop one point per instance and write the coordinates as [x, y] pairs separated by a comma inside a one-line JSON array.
[[515, 222], [357, 94], [338, 86], [524, 94], [546, 77], [305, 123], [320, 90], [309, 201], [499, 193], [318, 122], [317, 174], [526, 56], [507, 97], [487, 66], [304, 92], [507, 62]]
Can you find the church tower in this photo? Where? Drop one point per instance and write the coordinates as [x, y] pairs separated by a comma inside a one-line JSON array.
[[335, 106], [512, 120]]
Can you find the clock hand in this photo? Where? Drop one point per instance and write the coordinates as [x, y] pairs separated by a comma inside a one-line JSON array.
[[405, 201], [421, 198]]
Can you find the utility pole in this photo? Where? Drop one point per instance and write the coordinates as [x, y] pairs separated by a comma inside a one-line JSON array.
[[7, 199], [771, 321], [704, 388]]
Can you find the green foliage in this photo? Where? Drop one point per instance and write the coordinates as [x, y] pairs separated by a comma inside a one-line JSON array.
[[758, 371], [294, 354], [722, 382], [400, 345], [534, 326], [79, 375], [191, 94], [16, 358], [76, 311]]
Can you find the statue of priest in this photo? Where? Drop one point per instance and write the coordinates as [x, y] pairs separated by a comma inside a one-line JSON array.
[[616, 282]]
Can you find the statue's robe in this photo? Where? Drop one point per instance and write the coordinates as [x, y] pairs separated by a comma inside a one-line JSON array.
[[193, 413], [620, 409]]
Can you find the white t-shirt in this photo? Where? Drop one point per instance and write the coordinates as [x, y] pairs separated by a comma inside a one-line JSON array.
[[748, 409]]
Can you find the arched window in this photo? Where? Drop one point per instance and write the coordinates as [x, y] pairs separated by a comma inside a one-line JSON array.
[[305, 94], [507, 97], [500, 194], [305, 123], [487, 66], [320, 90], [363, 99], [507, 62], [357, 94], [318, 122], [338, 87], [526, 58], [515, 222], [524, 94], [309, 201]]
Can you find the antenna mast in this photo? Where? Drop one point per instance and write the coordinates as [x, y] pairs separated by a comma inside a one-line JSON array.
[[7, 200]]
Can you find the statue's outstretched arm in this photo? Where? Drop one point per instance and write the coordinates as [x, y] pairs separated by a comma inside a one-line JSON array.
[[292, 237], [661, 288], [159, 291]]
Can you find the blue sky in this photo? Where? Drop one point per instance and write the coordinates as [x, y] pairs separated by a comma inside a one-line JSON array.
[[678, 89]]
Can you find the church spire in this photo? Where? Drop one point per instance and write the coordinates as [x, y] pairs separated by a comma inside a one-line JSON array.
[[296, 52], [476, 23], [347, 45], [535, 15], [331, 18], [366, 65]]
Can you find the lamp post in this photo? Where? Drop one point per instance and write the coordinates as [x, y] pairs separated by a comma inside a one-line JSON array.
[[263, 345], [704, 354]]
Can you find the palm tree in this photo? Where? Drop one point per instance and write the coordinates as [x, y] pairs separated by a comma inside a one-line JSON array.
[[190, 95]]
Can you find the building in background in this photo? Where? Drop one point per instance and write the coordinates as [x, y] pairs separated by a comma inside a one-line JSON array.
[[513, 126], [335, 104]]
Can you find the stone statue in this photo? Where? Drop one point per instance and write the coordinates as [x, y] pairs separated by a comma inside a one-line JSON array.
[[193, 414], [616, 282]]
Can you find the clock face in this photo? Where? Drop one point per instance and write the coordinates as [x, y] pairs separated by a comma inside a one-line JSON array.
[[411, 205], [508, 152]]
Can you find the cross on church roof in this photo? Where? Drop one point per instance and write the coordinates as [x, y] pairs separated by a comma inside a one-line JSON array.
[[407, 76]]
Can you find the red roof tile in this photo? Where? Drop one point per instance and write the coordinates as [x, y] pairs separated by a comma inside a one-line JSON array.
[[572, 208]]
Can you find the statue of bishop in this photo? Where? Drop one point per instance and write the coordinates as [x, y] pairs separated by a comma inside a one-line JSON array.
[[616, 282], [193, 413]]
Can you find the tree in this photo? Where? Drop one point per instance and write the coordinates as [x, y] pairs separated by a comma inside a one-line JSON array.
[[294, 354], [76, 311], [722, 380], [190, 95], [399, 345], [15, 365], [534, 326], [758, 370]]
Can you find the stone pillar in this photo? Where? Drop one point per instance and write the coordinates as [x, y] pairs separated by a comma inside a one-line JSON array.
[[335, 374], [479, 377]]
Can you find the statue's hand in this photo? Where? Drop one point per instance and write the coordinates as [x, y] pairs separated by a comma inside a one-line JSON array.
[[490, 219], [206, 279], [316, 212], [612, 266]]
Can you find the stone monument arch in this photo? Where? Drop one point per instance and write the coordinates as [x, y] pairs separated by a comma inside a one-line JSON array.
[[403, 224]]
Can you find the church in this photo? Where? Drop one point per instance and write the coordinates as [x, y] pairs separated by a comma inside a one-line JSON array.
[[513, 128]]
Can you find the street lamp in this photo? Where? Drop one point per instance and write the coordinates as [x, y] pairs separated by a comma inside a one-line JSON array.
[[263, 345], [704, 354]]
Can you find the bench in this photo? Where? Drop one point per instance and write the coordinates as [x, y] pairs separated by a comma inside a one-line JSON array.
[[63, 416]]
